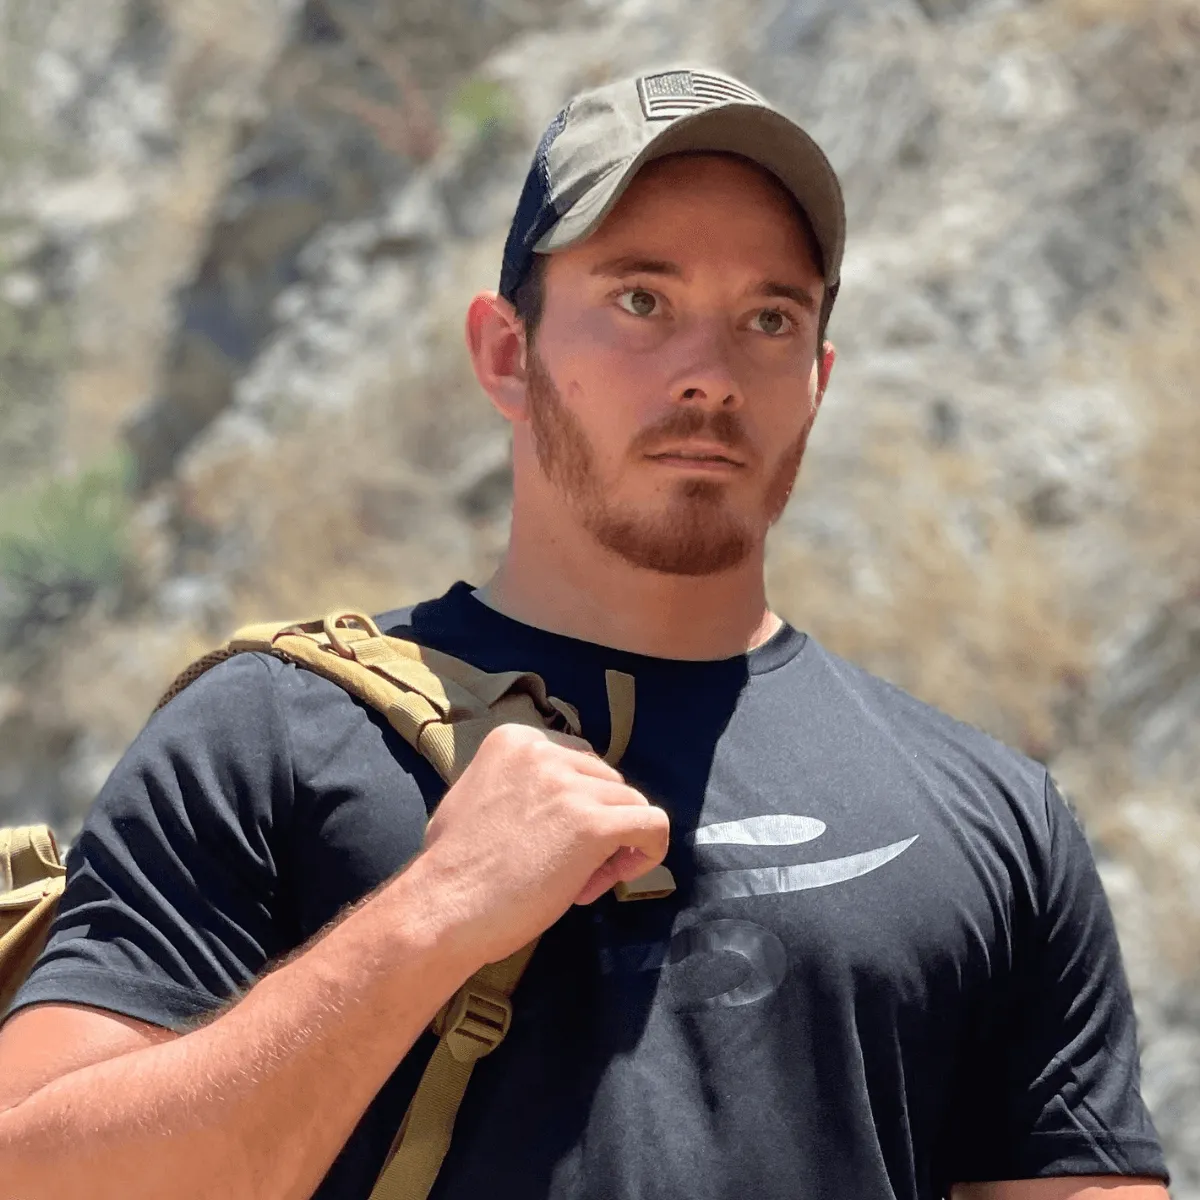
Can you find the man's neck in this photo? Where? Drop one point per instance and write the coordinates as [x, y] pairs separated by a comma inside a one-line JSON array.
[[578, 589]]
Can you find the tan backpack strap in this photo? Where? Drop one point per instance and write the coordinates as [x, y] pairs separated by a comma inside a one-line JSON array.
[[470, 1026], [620, 688], [31, 883], [476, 1019], [29, 854], [444, 708], [441, 706], [658, 882]]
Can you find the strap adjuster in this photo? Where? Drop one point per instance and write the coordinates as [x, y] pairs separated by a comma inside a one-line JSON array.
[[473, 1021]]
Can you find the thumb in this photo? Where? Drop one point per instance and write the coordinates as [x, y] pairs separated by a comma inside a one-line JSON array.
[[625, 865]]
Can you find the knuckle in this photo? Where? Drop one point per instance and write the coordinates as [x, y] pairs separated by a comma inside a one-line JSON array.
[[516, 741], [543, 756], [503, 737], [594, 822]]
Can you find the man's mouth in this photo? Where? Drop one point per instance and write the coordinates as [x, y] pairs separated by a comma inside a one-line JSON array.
[[711, 457]]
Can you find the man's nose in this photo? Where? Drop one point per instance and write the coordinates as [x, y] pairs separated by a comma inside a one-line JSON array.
[[708, 380]]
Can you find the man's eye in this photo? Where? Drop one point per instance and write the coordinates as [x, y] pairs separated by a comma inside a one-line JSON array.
[[639, 302], [772, 321]]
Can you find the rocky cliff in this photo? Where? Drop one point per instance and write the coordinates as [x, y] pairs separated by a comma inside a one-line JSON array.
[[236, 241]]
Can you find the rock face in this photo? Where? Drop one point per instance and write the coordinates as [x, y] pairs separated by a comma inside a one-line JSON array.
[[118, 117], [258, 248]]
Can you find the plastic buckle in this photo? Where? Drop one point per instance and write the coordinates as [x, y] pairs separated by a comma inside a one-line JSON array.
[[656, 884], [474, 1021]]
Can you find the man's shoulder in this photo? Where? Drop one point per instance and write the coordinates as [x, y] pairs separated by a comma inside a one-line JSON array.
[[251, 689], [254, 703], [254, 712], [437, 621], [397, 622], [929, 734], [240, 685], [248, 682]]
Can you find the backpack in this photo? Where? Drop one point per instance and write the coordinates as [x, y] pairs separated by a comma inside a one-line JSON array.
[[443, 708]]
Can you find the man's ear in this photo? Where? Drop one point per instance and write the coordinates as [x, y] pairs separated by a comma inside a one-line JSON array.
[[496, 344], [825, 361]]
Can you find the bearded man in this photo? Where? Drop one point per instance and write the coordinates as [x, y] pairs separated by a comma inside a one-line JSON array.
[[888, 969]]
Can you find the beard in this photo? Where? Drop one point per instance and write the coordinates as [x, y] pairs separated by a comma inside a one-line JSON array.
[[696, 533]]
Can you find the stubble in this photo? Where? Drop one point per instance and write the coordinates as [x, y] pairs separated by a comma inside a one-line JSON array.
[[695, 533]]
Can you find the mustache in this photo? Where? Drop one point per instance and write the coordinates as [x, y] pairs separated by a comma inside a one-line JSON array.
[[724, 428]]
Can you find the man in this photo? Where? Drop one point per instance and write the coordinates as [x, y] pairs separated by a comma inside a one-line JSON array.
[[927, 1001]]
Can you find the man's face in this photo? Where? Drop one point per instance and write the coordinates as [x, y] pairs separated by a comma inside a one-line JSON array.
[[675, 375]]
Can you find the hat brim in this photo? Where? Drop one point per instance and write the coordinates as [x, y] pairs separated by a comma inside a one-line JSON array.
[[760, 134]]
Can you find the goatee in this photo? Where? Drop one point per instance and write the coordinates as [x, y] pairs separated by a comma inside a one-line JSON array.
[[696, 533]]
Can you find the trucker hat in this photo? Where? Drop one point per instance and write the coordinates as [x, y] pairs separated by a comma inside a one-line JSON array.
[[595, 146]]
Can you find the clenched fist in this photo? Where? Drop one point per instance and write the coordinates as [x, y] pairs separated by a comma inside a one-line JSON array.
[[536, 822]]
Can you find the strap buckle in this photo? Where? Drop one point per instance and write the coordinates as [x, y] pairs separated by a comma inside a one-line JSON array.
[[474, 1021]]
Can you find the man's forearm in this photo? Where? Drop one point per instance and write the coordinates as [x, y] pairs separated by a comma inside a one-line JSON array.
[[259, 1102]]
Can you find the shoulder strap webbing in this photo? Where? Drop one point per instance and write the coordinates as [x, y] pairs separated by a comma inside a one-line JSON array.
[[472, 1025], [444, 708], [441, 706]]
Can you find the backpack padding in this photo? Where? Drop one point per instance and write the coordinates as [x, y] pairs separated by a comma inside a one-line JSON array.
[[31, 867]]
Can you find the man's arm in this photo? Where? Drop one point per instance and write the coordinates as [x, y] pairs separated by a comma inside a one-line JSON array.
[[40, 1043], [258, 1103], [1049, 1093], [1079, 1187]]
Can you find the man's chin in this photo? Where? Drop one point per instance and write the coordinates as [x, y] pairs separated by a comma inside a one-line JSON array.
[[694, 550]]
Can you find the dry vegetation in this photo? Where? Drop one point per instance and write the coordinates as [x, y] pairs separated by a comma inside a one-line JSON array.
[[1147, 13], [987, 634], [975, 626], [1156, 837], [1164, 359], [360, 508], [1160, 359]]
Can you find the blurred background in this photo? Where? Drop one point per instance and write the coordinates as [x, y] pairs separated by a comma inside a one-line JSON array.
[[237, 238]]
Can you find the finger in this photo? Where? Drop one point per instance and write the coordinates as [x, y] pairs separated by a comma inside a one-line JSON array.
[[595, 887], [584, 758], [641, 827], [625, 863], [625, 866], [629, 864], [614, 794]]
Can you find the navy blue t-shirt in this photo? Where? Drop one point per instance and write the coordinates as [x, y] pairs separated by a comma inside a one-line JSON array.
[[889, 964]]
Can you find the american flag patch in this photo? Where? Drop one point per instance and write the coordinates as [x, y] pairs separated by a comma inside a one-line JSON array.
[[677, 93]]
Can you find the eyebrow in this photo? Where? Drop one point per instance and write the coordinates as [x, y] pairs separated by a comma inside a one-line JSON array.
[[632, 264], [787, 291]]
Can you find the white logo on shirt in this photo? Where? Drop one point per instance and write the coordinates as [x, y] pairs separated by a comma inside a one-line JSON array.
[[763, 952], [781, 829]]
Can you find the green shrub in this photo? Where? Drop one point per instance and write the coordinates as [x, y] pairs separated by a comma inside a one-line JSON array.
[[480, 109], [62, 545]]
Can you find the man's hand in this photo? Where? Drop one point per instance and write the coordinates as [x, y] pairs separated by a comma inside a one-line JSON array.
[[536, 822]]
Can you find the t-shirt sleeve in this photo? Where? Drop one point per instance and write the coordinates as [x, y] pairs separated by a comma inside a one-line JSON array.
[[1055, 1088], [172, 884]]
